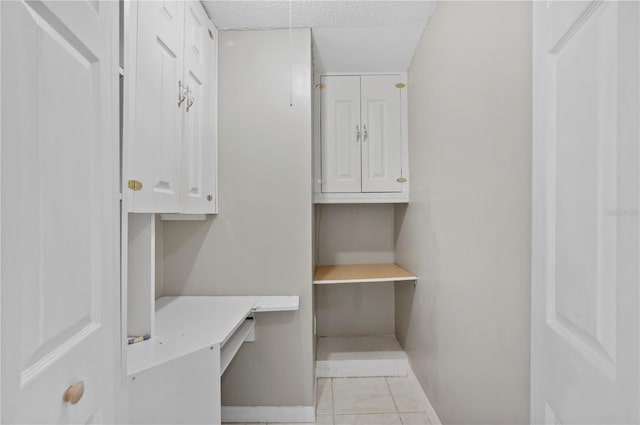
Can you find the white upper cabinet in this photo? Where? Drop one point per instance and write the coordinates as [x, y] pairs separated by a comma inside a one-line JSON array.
[[154, 149], [381, 134], [199, 148], [361, 139], [341, 134], [170, 123]]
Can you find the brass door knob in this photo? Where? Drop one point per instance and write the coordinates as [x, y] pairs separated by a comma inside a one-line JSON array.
[[74, 393]]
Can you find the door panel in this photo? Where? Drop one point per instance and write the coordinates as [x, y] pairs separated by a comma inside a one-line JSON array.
[[584, 286], [199, 148], [382, 134], [154, 157], [340, 133], [585, 218], [60, 209]]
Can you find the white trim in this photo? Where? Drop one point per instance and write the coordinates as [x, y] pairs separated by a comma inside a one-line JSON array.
[[279, 414], [361, 197], [183, 217], [638, 86], [537, 194], [361, 368], [216, 105], [432, 416], [130, 18], [1, 416]]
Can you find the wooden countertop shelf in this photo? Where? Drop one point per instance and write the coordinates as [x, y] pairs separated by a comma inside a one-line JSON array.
[[361, 273]]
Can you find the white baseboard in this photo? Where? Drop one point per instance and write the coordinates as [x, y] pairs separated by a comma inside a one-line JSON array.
[[432, 416], [268, 414], [361, 368]]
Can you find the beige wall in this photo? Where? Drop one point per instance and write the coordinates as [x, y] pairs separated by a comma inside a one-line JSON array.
[[355, 234], [260, 243], [466, 232]]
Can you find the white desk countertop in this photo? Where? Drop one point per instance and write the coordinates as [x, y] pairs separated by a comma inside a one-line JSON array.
[[185, 324]]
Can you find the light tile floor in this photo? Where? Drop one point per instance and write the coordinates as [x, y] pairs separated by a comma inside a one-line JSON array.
[[367, 401]]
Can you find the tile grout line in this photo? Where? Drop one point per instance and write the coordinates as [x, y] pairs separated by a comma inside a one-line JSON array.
[[395, 404], [333, 402], [333, 413]]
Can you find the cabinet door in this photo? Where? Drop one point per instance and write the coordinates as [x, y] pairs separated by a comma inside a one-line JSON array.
[[381, 134], [341, 133], [60, 211], [199, 147], [154, 152], [154, 397]]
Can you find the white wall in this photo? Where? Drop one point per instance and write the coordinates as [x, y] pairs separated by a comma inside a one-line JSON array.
[[260, 243], [355, 234], [466, 232]]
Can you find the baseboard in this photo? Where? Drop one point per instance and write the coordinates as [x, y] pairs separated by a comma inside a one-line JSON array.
[[361, 368], [432, 416], [268, 414]]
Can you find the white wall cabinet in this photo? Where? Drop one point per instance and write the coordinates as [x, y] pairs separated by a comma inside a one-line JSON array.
[[170, 96], [361, 139]]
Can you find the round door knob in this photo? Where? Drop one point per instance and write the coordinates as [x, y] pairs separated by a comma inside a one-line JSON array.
[[74, 393]]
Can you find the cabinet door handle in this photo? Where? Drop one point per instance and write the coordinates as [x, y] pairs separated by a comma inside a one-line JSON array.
[[190, 98], [357, 133], [364, 133], [181, 93]]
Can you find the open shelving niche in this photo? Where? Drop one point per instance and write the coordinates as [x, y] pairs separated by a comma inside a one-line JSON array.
[[360, 356]]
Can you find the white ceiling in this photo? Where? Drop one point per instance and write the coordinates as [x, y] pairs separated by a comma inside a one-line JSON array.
[[348, 36]]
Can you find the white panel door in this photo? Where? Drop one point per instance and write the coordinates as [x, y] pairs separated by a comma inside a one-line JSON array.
[[154, 152], [199, 147], [60, 210], [340, 133], [381, 134], [586, 233]]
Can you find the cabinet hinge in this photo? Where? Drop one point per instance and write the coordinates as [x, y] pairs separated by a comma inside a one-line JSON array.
[[320, 86], [134, 185], [400, 85]]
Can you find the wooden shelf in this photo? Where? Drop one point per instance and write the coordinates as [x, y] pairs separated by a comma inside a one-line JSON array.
[[361, 273]]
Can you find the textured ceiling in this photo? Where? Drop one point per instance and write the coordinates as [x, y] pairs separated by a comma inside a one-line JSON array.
[[349, 36]]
